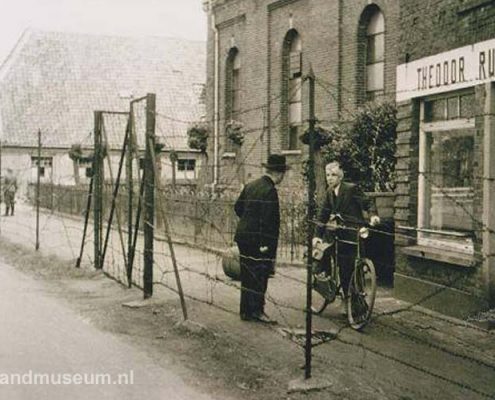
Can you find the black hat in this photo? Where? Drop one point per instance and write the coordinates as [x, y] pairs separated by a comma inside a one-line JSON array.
[[276, 162]]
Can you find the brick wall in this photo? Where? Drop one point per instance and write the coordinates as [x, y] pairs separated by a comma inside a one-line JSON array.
[[329, 34]]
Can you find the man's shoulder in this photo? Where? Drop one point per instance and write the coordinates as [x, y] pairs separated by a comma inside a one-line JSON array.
[[347, 186], [261, 182]]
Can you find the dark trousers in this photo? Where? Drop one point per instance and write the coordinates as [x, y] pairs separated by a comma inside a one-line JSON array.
[[346, 257], [346, 264], [254, 280], [9, 198]]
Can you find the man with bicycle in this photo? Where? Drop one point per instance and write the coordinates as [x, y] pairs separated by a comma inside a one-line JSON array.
[[344, 204]]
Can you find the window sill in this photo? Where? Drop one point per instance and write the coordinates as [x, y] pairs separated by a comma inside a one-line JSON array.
[[228, 155], [445, 256], [291, 152]]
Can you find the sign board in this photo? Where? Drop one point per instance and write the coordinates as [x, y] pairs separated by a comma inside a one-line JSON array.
[[456, 69]]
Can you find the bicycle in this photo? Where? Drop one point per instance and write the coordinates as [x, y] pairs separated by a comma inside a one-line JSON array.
[[326, 278]]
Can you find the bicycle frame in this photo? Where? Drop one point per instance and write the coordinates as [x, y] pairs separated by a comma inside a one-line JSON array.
[[358, 309]]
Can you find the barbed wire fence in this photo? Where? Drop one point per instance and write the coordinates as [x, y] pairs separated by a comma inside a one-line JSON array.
[[176, 236]]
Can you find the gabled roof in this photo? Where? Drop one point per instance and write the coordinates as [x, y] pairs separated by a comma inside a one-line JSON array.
[[55, 81]]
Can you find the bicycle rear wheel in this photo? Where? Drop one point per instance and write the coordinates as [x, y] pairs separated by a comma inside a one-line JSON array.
[[361, 294]]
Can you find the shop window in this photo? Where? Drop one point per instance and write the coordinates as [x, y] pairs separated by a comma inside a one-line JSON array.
[[292, 90], [446, 174], [375, 55]]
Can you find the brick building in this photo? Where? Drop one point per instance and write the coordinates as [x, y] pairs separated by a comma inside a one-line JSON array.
[[435, 59], [446, 166], [258, 54]]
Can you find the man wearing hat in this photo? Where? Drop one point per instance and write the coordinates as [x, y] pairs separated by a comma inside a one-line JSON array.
[[257, 237]]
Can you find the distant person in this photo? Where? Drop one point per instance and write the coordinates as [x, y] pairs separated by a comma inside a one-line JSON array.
[[348, 201], [9, 191], [257, 237]]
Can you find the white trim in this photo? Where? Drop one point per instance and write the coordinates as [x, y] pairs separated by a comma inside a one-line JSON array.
[[448, 125], [459, 68], [457, 246], [291, 152]]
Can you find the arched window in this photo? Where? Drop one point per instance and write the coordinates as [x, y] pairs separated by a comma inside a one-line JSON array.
[[232, 91], [291, 99], [371, 54], [375, 55]]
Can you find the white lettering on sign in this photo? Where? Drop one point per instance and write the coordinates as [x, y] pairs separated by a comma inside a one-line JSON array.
[[456, 69]]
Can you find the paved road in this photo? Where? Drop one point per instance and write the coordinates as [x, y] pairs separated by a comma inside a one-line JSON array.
[[405, 355], [38, 335]]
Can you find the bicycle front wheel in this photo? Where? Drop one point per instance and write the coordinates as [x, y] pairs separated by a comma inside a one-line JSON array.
[[361, 294], [324, 289], [319, 302]]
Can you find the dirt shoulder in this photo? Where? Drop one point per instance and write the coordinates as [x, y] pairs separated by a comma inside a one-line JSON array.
[[217, 358]]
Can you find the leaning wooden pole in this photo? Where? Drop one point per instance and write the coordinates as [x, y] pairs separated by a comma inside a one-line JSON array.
[[86, 222], [167, 231], [115, 193], [130, 193], [149, 197], [140, 182], [136, 232]]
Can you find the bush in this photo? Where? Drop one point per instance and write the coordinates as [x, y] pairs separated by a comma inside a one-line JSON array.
[[366, 147]]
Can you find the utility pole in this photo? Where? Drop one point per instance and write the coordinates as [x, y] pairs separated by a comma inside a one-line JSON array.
[[310, 224], [38, 179], [149, 196]]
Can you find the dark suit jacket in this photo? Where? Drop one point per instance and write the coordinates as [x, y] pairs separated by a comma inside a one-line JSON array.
[[259, 213], [350, 204]]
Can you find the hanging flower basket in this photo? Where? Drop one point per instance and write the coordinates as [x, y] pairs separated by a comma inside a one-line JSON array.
[[234, 131], [197, 137], [322, 137]]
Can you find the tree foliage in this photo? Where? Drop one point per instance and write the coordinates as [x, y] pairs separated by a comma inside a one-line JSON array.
[[366, 147]]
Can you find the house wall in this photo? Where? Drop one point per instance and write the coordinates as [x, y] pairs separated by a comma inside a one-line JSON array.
[[62, 170]]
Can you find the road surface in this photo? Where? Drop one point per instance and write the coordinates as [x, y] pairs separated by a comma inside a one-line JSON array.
[[42, 340]]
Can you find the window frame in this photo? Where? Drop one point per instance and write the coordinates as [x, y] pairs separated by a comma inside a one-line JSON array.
[[465, 246], [186, 162], [293, 56], [46, 167], [371, 94], [233, 90]]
